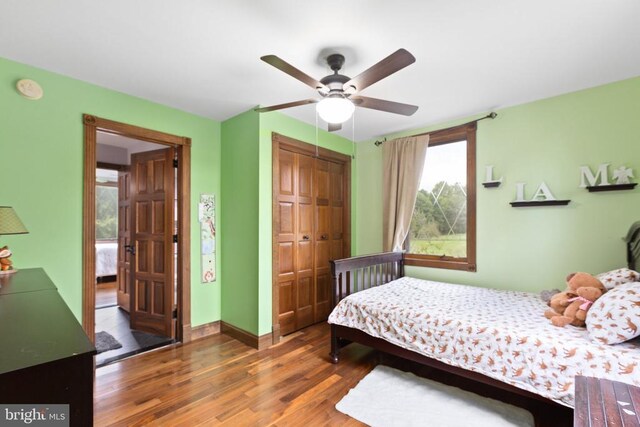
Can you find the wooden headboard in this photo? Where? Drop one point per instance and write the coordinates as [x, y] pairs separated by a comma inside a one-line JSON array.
[[633, 246], [356, 274]]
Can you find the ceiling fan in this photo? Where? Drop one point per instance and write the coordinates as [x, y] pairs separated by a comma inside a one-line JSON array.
[[339, 93]]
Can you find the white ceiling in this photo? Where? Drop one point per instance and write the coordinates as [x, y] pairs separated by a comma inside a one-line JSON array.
[[202, 56], [130, 144]]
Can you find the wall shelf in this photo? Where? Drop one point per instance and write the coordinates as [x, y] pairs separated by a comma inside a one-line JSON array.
[[492, 184], [540, 203], [611, 187]]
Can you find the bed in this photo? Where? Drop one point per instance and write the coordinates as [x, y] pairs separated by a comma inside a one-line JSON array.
[[106, 259], [497, 337]]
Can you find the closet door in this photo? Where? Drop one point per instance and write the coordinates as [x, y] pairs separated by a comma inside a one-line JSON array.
[[322, 272], [304, 236], [311, 227], [295, 248]]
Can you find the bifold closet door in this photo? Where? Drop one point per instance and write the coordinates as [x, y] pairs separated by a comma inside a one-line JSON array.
[[329, 234], [295, 249], [310, 209]]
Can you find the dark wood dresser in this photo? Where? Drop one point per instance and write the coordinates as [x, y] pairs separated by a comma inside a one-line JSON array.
[[45, 356], [601, 403]]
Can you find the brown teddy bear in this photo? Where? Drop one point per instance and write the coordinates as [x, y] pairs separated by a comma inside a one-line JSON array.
[[5, 261], [570, 307]]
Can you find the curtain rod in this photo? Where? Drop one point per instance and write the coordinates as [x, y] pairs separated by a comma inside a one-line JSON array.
[[491, 115]]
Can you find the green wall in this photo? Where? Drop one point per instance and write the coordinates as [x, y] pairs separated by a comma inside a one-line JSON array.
[[547, 140], [41, 153], [247, 215], [240, 219]]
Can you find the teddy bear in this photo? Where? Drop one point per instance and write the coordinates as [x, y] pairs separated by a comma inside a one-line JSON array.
[[570, 307], [5, 261]]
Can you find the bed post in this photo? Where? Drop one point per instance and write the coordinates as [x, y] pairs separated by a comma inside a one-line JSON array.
[[335, 346], [335, 298]]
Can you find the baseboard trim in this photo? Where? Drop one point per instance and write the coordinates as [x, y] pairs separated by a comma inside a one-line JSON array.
[[202, 331], [252, 340]]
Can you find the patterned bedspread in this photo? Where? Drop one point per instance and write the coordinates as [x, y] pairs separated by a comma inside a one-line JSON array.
[[501, 334]]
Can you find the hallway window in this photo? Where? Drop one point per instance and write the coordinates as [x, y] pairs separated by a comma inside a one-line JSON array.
[[106, 205]]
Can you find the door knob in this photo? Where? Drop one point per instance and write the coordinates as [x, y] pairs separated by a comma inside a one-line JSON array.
[[324, 237], [130, 248], [305, 237]]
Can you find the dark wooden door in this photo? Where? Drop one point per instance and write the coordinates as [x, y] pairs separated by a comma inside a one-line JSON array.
[[152, 215], [124, 240], [310, 213], [295, 244], [322, 241]]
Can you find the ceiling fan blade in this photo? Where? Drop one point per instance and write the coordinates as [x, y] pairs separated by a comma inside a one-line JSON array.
[[334, 127], [292, 71], [287, 105], [389, 65], [383, 105]]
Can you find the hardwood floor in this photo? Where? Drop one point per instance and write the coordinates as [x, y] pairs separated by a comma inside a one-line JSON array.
[[220, 381], [106, 294]]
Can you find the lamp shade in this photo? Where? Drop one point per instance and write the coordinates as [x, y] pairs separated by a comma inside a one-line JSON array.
[[335, 109], [9, 222]]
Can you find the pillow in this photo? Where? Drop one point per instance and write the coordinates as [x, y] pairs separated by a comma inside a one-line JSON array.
[[615, 316], [614, 278]]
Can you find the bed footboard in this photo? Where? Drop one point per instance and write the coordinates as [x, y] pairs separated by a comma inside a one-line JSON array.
[[356, 274]]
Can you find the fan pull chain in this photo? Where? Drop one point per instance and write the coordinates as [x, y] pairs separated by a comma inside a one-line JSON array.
[[353, 135], [316, 133]]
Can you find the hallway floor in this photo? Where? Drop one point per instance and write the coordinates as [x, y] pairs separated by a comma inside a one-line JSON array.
[[116, 322]]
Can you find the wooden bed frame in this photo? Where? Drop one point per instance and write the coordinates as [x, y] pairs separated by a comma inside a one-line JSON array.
[[352, 275]]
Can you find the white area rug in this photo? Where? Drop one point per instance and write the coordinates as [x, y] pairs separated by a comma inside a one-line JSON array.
[[389, 397]]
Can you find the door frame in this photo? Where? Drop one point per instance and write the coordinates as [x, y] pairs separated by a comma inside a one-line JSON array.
[[92, 125], [279, 141]]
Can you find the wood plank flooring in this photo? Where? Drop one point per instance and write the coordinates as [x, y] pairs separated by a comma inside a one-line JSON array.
[[220, 381]]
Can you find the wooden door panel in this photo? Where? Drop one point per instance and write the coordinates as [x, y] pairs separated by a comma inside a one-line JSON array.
[[124, 239], [336, 177], [336, 251], [304, 309], [286, 258], [142, 217], [142, 257], [305, 176], [323, 296], [305, 219], [153, 213], [305, 257], [287, 242], [159, 222], [336, 221], [286, 162], [323, 221], [286, 217], [157, 296], [158, 257], [322, 180]]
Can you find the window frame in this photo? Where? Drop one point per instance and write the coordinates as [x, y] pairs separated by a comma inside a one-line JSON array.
[[468, 263]]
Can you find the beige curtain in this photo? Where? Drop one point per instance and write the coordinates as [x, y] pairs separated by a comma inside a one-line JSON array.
[[403, 163]]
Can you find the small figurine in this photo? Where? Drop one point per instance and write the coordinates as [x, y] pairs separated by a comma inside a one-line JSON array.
[[5, 261], [622, 175]]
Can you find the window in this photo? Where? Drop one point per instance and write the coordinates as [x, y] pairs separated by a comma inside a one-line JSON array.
[[106, 204], [442, 232]]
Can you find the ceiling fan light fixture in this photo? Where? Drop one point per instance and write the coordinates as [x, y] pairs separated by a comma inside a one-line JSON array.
[[335, 109]]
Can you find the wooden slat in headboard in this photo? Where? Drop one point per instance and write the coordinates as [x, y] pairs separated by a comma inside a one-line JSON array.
[[633, 246]]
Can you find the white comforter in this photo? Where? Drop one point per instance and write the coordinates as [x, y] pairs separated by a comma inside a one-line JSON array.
[[106, 259], [501, 334]]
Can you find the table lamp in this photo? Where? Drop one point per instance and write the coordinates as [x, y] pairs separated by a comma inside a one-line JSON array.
[[9, 224]]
